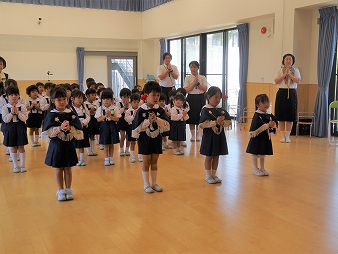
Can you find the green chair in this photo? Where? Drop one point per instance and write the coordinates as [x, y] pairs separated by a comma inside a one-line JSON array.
[[333, 119]]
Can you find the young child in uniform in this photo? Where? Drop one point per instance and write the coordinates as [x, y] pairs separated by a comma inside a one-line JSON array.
[[34, 121], [14, 116], [123, 106], [186, 107], [93, 126], [262, 125], [149, 123], [213, 120], [165, 135], [179, 116], [82, 112], [129, 117], [108, 115], [61, 126], [41, 88]]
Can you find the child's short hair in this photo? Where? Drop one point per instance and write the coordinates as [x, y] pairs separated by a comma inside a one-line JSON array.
[[125, 92], [182, 91], [91, 83], [77, 94], [89, 80], [99, 85], [66, 86], [3, 61], [135, 97], [172, 93], [163, 97], [30, 89], [152, 86], [212, 91], [179, 97], [135, 90], [40, 84], [74, 86], [10, 82], [261, 98], [49, 85], [106, 94], [90, 91], [58, 92], [12, 90]]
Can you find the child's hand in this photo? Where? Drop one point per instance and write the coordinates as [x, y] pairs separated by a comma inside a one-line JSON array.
[[220, 120], [184, 113], [14, 110], [152, 117], [108, 114], [135, 112], [92, 110], [272, 124], [65, 125]]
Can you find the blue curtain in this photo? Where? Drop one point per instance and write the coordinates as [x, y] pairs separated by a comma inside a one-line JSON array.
[[80, 66], [121, 5], [326, 48], [243, 44], [163, 49]]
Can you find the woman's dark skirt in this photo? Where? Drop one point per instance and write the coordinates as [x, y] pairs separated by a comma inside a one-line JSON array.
[[286, 108], [196, 103]]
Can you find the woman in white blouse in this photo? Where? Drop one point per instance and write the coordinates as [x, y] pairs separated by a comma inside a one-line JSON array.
[[287, 78], [195, 85]]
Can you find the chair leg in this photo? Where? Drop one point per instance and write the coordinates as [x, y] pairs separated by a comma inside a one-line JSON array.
[[297, 130]]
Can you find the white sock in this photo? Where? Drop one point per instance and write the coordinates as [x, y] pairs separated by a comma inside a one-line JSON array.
[[127, 149], [31, 138], [106, 159], [193, 134], [287, 134], [177, 149], [88, 150], [132, 154], [22, 159], [36, 138], [207, 173], [139, 156], [282, 133], [153, 174], [145, 176], [14, 157], [81, 156], [254, 161], [92, 145], [110, 158], [166, 143]]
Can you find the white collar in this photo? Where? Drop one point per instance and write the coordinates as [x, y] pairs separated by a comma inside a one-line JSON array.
[[67, 110], [144, 106], [261, 112], [210, 106]]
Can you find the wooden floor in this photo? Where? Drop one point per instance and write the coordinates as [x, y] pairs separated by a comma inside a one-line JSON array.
[[294, 210]]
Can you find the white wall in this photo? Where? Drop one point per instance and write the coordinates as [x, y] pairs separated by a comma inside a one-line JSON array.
[[32, 49]]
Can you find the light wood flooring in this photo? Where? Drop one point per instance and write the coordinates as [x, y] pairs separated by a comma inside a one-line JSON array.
[[294, 210]]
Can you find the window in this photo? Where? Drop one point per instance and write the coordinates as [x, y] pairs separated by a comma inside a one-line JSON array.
[[218, 55]]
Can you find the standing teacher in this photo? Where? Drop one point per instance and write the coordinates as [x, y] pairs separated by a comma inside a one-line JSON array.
[[167, 74], [287, 79], [195, 85]]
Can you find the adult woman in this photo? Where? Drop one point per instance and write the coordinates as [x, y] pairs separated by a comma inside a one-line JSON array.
[[287, 79], [167, 74], [195, 85], [3, 76]]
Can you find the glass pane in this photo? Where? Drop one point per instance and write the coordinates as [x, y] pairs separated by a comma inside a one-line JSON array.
[[233, 68], [215, 80], [192, 51], [215, 53], [122, 75], [175, 51]]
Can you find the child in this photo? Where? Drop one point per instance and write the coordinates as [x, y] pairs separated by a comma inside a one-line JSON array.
[[75, 86], [163, 99], [185, 106], [82, 112], [261, 127], [41, 88], [99, 85], [93, 126], [178, 125], [129, 117], [34, 120], [123, 106], [108, 115], [61, 126], [149, 123], [14, 115], [45, 102], [213, 120]]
